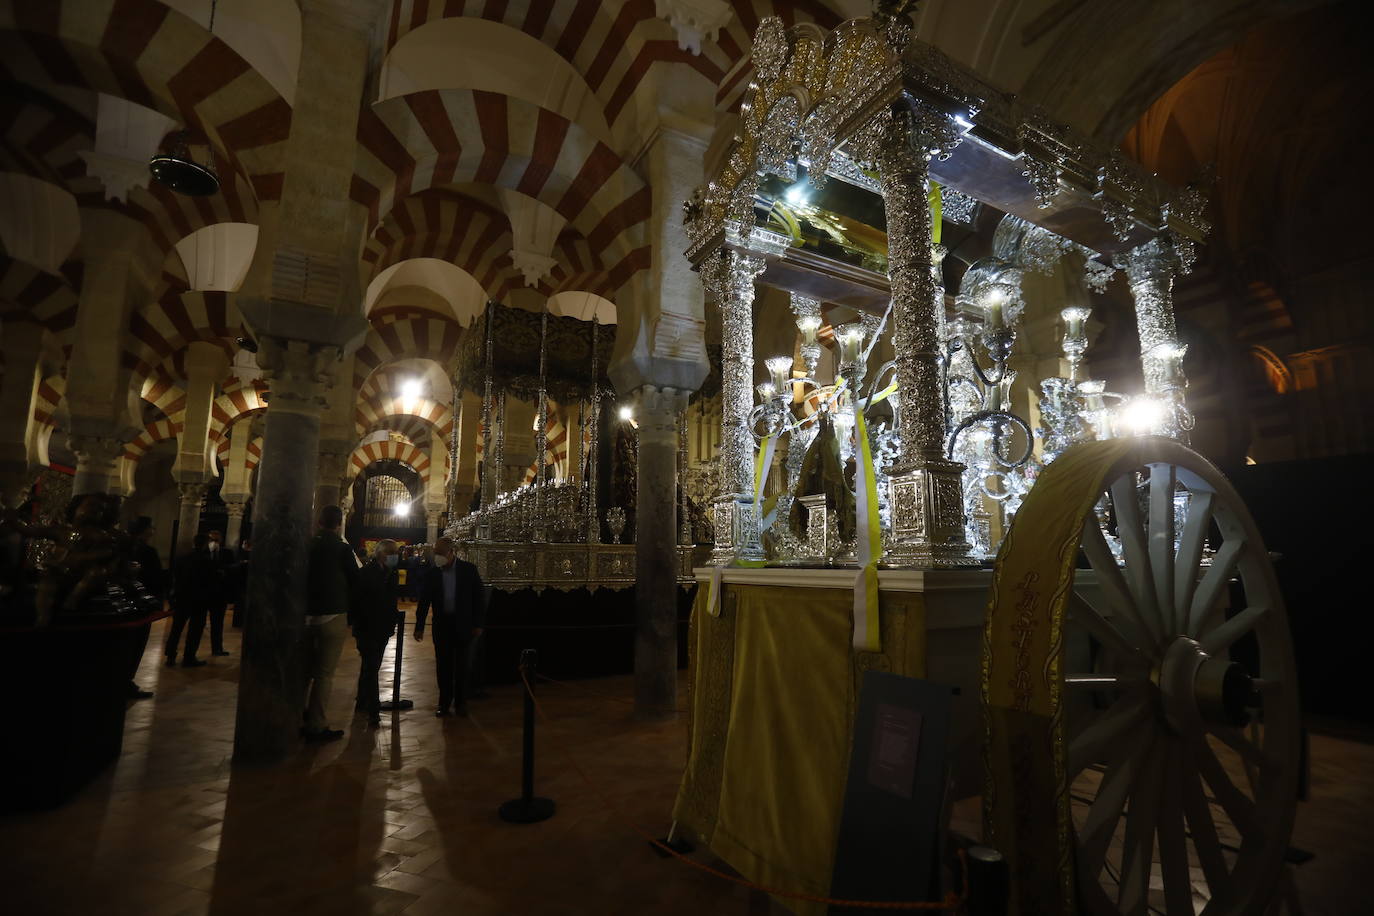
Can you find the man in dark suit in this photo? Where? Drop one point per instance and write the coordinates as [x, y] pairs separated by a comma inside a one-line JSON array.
[[193, 593], [222, 560], [454, 589], [373, 618]]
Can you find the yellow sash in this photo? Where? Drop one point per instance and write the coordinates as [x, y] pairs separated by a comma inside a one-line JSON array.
[[1026, 806]]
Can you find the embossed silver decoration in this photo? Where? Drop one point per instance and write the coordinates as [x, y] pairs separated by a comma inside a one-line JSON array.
[[957, 207], [1150, 270]]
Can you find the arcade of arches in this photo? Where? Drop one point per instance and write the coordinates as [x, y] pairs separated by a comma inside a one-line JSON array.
[[388, 168]]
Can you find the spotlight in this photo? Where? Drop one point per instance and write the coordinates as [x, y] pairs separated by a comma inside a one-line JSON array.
[[1143, 415], [401, 510], [796, 195], [411, 389], [626, 413]]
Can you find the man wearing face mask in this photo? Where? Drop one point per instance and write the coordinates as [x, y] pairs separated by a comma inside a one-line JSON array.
[[454, 589], [373, 617]]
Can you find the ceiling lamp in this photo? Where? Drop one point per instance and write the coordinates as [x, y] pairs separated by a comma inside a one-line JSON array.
[[178, 171]]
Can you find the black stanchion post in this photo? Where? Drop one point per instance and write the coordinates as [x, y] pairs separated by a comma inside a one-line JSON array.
[[396, 701], [527, 809], [989, 882]]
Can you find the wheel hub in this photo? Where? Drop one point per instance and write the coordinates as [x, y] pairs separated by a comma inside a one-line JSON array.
[[1196, 688]]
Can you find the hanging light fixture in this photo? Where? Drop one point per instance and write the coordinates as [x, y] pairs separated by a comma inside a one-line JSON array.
[[176, 168], [179, 171]]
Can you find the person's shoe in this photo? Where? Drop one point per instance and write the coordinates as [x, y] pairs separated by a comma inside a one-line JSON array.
[[323, 735], [441, 711], [138, 693], [193, 663], [219, 652]]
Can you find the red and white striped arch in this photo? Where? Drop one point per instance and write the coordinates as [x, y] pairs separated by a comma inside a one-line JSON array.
[[440, 137], [418, 431], [429, 336], [28, 292], [152, 434], [161, 330], [556, 450], [446, 225], [42, 136], [252, 455], [613, 43], [375, 407], [405, 452], [149, 54], [233, 405]]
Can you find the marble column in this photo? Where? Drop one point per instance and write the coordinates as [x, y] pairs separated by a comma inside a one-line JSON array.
[[97, 463], [192, 497], [1150, 272], [235, 504], [927, 491], [21, 345], [333, 461], [270, 680], [729, 277], [657, 410], [346, 504], [432, 515]]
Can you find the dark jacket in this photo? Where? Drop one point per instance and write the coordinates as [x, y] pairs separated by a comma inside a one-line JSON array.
[[374, 603], [333, 573], [149, 569], [470, 605], [195, 584]]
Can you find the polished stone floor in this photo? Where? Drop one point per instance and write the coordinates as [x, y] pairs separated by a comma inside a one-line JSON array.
[[402, 819]]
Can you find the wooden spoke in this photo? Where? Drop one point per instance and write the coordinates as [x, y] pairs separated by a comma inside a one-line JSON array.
[[1190, 551], [1237, 742], [1161, 542], [1109, 579], [1201, 827], [1223, 636], [1238, 808], [1135, 551], [1096, 835], [1173, 847], [1137, 857], [1213, 584], [1095, 742], [1105, 631]]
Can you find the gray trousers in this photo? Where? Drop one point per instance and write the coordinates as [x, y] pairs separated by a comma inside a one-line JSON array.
[[323, 643]]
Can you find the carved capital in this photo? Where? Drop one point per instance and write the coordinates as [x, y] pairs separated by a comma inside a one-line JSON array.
[[693, 20], [96, 449], [299, 373], [191, 493]]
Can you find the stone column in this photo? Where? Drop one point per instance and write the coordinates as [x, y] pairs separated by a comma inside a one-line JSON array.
[[97, 463], [346, 504], [729, 277], [21, 344], [432, 514], [270, 683], [235, 504], [657, 410], [188, 518], [927, 493], [1150, 271], [333, 462]]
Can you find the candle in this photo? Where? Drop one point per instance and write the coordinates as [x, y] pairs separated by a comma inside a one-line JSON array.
[[780, 368], [1074, 317], [992, 310]]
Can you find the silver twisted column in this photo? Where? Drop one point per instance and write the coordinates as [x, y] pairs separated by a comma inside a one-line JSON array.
[[541, 431], [927, 495], [729, 277], [1150, 271]]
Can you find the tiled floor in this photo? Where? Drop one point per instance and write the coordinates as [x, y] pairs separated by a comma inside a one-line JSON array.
[[402, 819]]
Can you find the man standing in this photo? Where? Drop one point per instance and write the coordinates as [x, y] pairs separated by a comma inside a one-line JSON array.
[[193, 590], [142, 552], [374, 621], [222, 558], [454, 589], [332, 577]]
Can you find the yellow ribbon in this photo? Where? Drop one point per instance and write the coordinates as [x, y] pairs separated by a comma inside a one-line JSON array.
[[937, 211], [867, 637]]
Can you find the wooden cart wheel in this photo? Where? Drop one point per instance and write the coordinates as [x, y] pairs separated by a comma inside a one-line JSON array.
[[1181, 704]]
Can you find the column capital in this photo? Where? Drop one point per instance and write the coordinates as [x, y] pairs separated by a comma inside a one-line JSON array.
[[235, 505], [93, 447], [191, 491], [1153, 261], [299, 373], [729, 274], [904, 141]]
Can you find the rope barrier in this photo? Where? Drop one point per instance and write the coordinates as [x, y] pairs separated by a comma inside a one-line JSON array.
[[952, 903]]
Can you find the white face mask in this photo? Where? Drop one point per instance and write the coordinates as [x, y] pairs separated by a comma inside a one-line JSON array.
[[214, 546]]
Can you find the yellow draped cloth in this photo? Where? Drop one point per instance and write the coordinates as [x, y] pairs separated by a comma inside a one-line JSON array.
[[774, 689], [1026, 805]]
